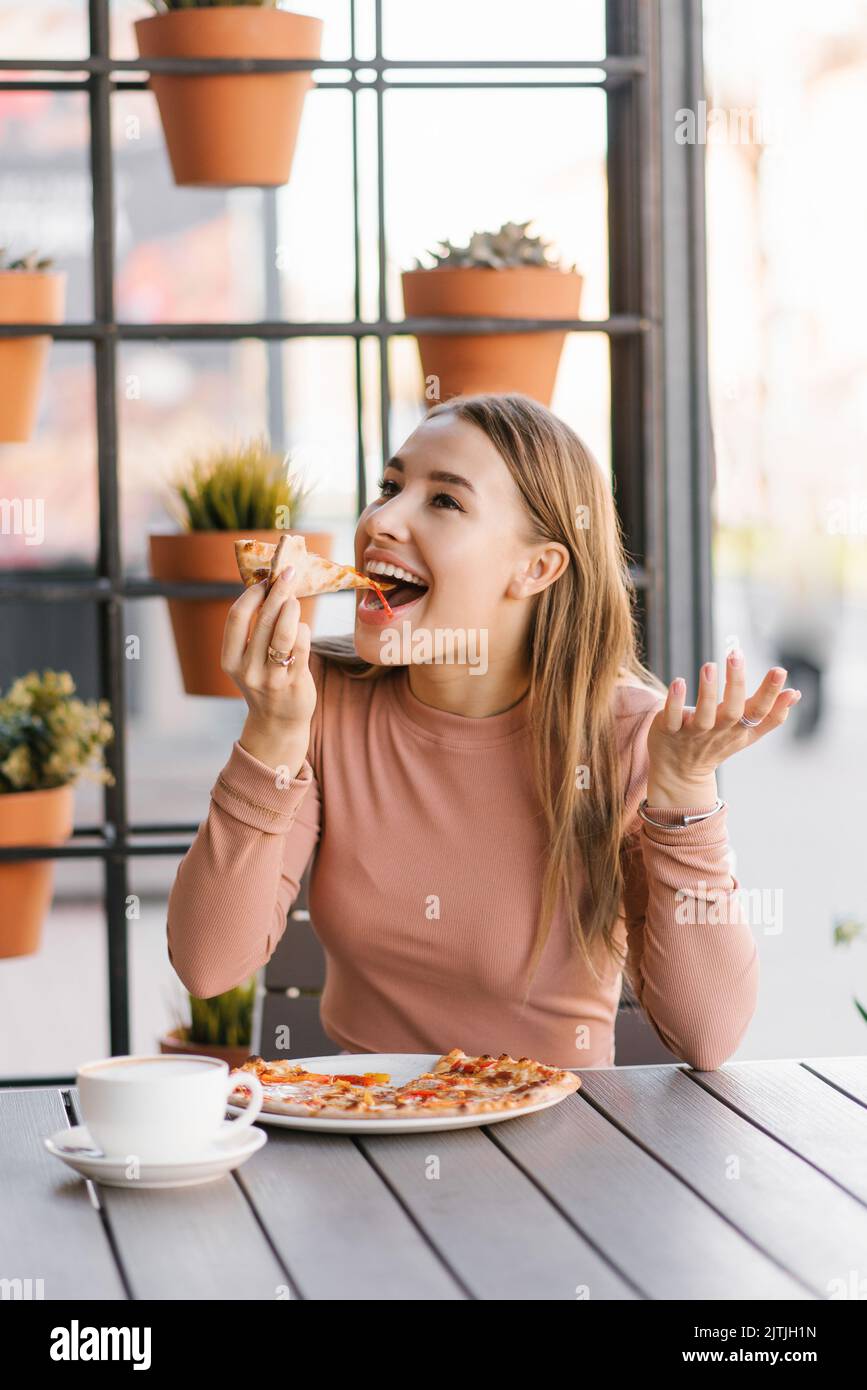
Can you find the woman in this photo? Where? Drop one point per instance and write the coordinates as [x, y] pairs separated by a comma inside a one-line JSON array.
[[484, 872]]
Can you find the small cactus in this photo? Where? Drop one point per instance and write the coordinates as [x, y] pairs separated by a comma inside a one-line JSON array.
[[510, 246]]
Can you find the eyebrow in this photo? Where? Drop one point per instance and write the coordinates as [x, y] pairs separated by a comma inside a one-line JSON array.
[[437, 474]]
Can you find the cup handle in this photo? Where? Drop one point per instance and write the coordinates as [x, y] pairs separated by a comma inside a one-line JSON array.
[[251, 1113]]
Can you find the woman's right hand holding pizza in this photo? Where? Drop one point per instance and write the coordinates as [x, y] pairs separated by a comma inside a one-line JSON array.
[[280, 699]]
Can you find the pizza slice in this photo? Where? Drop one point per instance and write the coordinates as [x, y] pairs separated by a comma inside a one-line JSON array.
[[491, 1083], [253, 559], [283, 1071], [457, 1085], [258, 560], [289, 1089]]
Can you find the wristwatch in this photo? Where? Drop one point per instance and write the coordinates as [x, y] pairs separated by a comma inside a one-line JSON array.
[[683, 820]]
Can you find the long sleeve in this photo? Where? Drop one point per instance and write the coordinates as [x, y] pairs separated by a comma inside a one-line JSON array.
[[692, 958], [233, 888]]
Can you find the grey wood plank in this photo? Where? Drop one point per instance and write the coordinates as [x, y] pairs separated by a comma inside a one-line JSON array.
[[498, 1233], [652, 1227], [49, 1228], [335, 1224], [800, 1110], [796, 1215], [849, 1074], [192, 1242]]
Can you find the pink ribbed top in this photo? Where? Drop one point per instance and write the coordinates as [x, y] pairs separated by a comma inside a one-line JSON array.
[[426, 884]]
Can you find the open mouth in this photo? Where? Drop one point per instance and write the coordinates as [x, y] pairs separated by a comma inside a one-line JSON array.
[[399, 589]]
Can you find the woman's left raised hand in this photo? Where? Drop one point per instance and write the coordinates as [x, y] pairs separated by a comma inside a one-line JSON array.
[[685, 746]]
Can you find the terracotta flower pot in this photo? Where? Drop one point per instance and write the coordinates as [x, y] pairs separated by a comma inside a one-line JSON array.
[[29, 818], [209, 556], [176, 1041], [26, 296], [474, 362], [230, 129]]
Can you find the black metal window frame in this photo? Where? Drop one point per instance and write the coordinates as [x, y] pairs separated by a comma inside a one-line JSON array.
[[660, 436]]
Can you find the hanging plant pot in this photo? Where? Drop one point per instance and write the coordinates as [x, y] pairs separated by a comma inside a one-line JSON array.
[[466, 363], [198, 557], [30, 818], [26, 296], [230, 129], [177, 1041]]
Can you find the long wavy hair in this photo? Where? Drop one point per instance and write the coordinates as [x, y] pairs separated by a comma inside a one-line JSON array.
[[582, 642]]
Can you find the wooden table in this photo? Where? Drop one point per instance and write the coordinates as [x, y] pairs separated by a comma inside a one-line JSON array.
[[653, 1182]]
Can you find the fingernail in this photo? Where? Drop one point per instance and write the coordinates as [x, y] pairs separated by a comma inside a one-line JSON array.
[[678, 686], [797, 697], [778, 675], [709, 670], [288, 572], [736, 657]]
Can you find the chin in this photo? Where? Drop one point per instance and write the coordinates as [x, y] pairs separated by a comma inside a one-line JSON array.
[[384, 646], [369, 647]]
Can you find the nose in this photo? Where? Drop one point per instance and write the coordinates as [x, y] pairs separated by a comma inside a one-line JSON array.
[[389, 520]]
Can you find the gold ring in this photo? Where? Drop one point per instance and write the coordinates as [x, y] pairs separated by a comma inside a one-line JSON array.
[[280, 658]]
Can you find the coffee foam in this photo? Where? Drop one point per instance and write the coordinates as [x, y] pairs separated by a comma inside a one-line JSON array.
[[149, 1068]]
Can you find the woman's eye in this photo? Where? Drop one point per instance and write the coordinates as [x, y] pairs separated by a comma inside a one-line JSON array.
[[448, 502]]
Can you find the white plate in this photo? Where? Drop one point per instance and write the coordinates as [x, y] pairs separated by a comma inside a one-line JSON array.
[[76, 1147], [401, 1067]]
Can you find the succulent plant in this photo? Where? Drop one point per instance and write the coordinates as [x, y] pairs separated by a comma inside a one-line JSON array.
[[510, 246], [163, 6], [31, 261], [48, 737], [237, 489]]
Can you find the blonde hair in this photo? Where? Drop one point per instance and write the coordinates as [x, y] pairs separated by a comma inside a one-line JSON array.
[[582, 641]]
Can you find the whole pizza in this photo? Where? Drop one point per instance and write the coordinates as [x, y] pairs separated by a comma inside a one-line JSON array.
[[456, 1085]]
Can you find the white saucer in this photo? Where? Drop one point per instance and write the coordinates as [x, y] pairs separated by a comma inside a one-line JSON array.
[[76, 1147]]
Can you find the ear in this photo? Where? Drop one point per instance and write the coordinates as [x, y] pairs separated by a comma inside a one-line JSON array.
[[541, 568]]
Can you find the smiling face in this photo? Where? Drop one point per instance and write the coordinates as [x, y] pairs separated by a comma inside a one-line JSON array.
[[450, 515]]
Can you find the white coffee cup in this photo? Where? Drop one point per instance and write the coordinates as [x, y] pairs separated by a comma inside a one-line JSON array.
[[164, 1107]]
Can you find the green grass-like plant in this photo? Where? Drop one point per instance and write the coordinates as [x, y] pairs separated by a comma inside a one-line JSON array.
[[31, 261], [226, 1020], [247, 488]]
